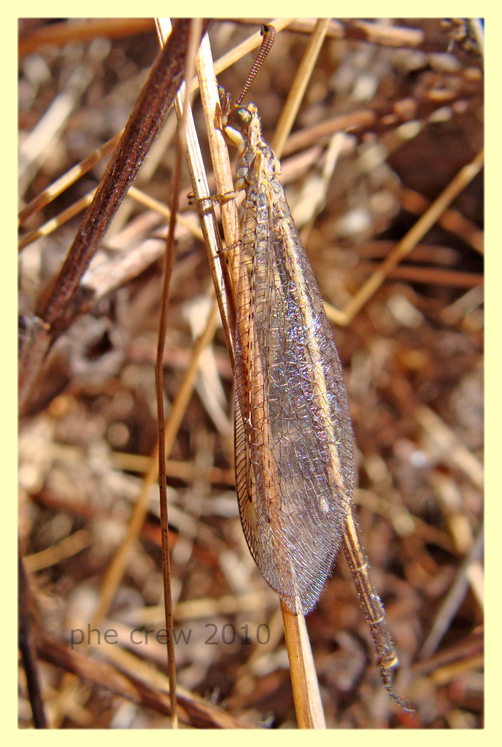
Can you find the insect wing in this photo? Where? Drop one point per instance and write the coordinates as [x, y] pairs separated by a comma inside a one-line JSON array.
[[294, 443]]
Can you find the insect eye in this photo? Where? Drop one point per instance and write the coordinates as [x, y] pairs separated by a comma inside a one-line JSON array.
[[243, 116]]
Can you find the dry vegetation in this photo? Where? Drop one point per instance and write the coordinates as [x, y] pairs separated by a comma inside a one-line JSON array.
[[413, 360]]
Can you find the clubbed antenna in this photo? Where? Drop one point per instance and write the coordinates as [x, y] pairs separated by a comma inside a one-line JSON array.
[[268, 33]]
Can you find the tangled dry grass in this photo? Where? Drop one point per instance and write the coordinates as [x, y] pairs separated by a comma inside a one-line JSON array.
[[412, 355]]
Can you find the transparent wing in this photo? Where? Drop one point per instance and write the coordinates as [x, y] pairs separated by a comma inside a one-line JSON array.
[[294, 443]]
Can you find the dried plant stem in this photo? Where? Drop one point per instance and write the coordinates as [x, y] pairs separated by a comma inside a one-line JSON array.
[[303, 676], [308, 705], [135, 680], [253, 41], [117, 568], [299, 86], [59, 306], [67, 179], [453, 599], [26, 641], [423, 224], [159, 375]]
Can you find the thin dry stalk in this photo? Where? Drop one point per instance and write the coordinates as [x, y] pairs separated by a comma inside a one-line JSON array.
[[299, 86], [413, 361], [303, 676], [405, 246]]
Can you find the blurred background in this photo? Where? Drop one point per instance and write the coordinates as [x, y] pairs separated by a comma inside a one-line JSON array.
[[393, 112]]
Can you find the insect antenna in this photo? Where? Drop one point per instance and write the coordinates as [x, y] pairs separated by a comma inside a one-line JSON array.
[[268, 33]]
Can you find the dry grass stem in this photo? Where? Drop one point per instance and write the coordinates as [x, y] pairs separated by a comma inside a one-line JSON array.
[[383, 174]]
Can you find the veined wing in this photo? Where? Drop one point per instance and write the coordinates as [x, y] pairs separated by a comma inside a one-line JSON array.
[[294, 443]]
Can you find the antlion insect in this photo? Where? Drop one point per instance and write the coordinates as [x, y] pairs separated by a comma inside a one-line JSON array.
[[293, 431], [417, 376]]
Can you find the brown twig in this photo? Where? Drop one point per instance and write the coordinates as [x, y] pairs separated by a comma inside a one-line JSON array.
[[193, 711], [144, 124], [27, 647], [412, 345]]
